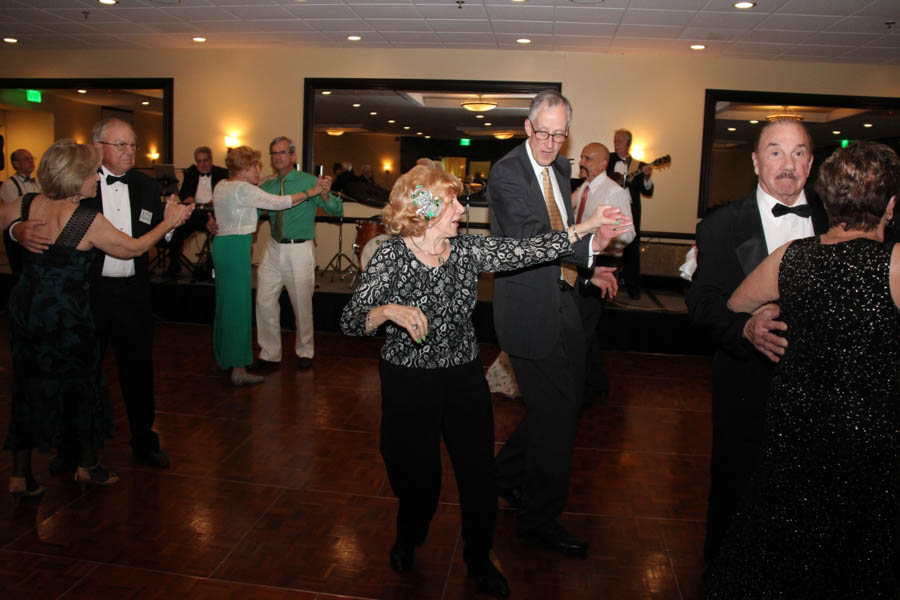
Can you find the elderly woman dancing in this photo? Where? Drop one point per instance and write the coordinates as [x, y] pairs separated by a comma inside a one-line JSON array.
[[422, 286], [823, 516]]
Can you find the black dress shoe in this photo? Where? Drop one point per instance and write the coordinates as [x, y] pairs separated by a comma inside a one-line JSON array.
[[513, 497], [62, 465], [556, 538], [401, 557], [158, 459], [488, 580], [262, 364], [304, 362]]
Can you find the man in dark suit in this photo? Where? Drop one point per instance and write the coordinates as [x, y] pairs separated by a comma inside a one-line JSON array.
[[130, 200], [197, 187], [538, 325], [635, 177], [731, 242]]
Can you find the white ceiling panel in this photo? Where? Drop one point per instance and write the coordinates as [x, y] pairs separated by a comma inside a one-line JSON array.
[[874, 54], [827, 29]]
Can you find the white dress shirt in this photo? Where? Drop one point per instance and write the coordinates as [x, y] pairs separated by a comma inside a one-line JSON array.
[[235, 204], [557, 196], [204, 193], [783, 229], [117, 210], [603, 191], [9, 191]]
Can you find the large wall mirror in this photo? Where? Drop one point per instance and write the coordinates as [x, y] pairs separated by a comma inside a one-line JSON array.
[[732, 119], [36, 112], [382, 126]]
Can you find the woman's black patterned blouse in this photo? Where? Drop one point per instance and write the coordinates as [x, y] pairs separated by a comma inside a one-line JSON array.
[[445, 294]]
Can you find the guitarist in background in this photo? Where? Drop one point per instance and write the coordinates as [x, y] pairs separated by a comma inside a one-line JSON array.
[[636, 179]]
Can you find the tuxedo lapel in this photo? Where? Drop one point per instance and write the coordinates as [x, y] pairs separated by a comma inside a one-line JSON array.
[[134, 199], [752, 250]]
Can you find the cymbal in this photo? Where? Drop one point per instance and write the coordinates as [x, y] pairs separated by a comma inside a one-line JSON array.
[[367, 193]]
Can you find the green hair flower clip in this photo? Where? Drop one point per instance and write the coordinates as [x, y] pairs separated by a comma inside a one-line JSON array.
[[429, 206]]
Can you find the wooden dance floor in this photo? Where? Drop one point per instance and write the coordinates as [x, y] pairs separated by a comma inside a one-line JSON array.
[[278, 491]]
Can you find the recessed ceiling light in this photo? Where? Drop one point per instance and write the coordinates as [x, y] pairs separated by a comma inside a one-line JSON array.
[[523, 41], [744, 5], [836, 132], [10, 40], [732, 129], [199, 39], [146, 103], [488, 124], [108, 2], [391, 121], [867, 124], [406, 127], [427, 137], [82, 91], [479, 116], [418, 133], [753, 121], [354, 38], [356, 105], [373, 113], [517, 0], [698, 47], [326, 93]]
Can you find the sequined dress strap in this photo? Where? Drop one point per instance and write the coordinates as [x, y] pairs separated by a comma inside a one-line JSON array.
[[77, 226]]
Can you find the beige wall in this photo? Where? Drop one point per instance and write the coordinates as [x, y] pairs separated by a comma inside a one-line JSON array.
[[258, 94], [29, 129]]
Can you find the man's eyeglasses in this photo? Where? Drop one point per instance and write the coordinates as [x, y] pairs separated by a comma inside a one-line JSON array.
[[122, 146], [280, 153], [542, 135]]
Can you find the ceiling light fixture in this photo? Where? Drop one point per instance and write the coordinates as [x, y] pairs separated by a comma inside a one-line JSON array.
[[373, 113], [334, 131], [784, 115], [198, 39], [406, 127], [356, 105], [427, 137], [488, 124], [10, 40], [326, 93], [418, 133], [753, 121], [354, 38], [108, 2], [145, 103], [732, 129], [867, 125], [391, 121], [479, 105], [523, 41], [503, 135], [698, 47], [836, 132], [479, 116], [82, 91], [744, 5]]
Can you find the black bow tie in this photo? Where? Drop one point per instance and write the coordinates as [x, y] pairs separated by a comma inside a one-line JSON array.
[[111, 179], [803, 210], [27, 179], [205, 174]]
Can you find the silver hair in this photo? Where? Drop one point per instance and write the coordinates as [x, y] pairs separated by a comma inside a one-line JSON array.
[[282, 138], [548, 99], [101, 126]]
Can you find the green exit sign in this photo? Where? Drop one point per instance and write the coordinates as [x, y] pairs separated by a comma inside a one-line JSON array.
[[33, 95], [465, 142], [845, 143]]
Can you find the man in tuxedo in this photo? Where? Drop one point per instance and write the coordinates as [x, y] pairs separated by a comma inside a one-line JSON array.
[[539, 326], [19, 183], [598, 190], [635, 177], [197, 187], [130, 200], [731, 242]]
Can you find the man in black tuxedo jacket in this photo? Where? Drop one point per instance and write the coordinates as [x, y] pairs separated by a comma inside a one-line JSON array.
[[197, 187], [130, 200], [731, 242], [635, 179], [539, 326]]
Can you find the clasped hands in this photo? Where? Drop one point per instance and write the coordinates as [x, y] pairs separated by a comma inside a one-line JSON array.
[[607, 223], [760, 330]]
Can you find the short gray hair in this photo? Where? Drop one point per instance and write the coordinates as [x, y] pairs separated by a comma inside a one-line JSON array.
[[550, 98], [282, 138], [202, 150], [101, 126]]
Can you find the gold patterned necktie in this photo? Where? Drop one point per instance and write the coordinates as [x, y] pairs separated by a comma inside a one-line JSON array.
[[278, 219], [569, 272]]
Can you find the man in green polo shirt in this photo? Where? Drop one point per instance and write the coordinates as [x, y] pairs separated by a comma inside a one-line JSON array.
[[290, 259]]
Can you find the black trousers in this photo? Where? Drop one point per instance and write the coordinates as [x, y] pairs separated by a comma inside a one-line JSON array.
[[124, 319], [590, 304], [631, 254], [537, 457], [196, 222], [418, 408]]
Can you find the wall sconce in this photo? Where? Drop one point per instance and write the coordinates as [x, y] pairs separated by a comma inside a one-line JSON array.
[[153, 155], [232, 141], [387, 166]]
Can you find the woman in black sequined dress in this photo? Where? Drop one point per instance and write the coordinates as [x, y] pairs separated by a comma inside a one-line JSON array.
[[821, 521]]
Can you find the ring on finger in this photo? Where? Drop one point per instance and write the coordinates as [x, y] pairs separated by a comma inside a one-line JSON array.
[[415, 325]]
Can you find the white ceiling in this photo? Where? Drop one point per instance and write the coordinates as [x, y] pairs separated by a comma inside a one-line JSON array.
[[821, 30]]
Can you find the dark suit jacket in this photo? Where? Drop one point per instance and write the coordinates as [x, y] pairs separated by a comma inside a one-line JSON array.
[[144, 194], [731, 243], [526, 301], [192, 177]]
